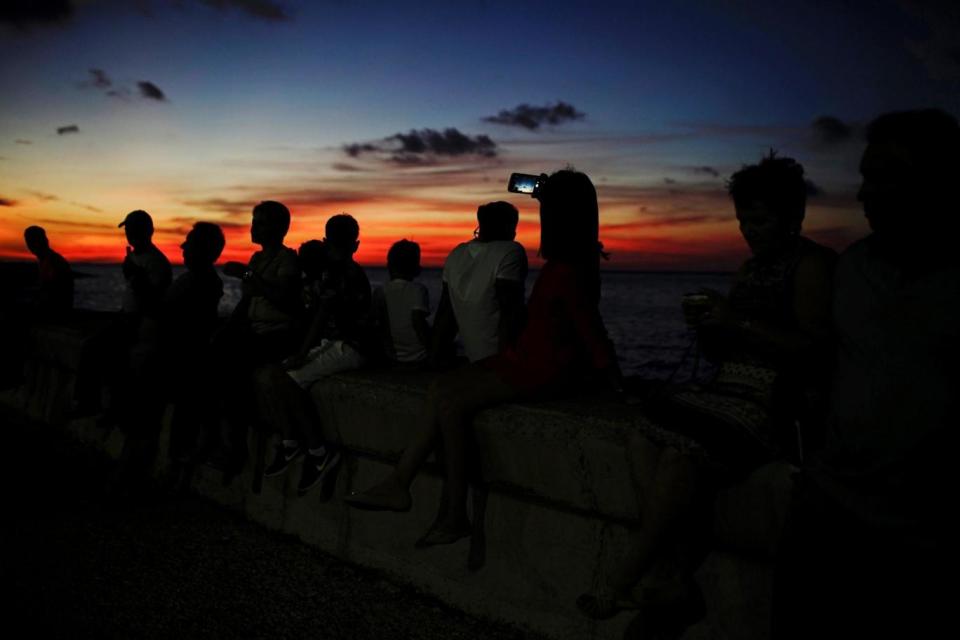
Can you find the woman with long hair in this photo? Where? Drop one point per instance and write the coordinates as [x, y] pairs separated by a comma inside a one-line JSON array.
[[563, 342]]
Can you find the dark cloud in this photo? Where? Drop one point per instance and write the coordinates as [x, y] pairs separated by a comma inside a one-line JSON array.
[[532, 118], [669, 181], [22, 141], [831, 130], [21, 13], [425, 146], [706, 170], [151, 91], [355, 149], [99, 79], [813, 190], [70, 128], [263, 9], [6, 202], [344, 166]]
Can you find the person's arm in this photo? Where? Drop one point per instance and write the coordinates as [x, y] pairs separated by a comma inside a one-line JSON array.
[[812, 298], [444, 330], [509, 291], [509, 294], [309, 340], [584, 312], [419, 314], [282, 288]]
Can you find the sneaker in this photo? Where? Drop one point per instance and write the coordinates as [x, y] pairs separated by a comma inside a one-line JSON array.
[[284, 456], [316, 468]]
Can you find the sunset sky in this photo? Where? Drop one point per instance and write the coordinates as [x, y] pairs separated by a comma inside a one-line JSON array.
[[410, 118]]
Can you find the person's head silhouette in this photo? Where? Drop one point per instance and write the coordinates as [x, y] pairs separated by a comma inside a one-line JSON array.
[[342, 236], [271, 221], [203, 245], [403, 260], [496, 221], [313, 258], [770, 198], [569, 218], [36, 240], [138, 227], [909, 169]]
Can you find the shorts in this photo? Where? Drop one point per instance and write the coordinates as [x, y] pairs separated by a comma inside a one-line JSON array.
[[331, 356]]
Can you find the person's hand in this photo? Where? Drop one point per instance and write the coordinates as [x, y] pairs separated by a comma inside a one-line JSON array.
[[294, 362], [130, 268], [720, 314], [234, 269]]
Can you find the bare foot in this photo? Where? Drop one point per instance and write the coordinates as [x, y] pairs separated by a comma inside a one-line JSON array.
[[389, 495], [445, 531]]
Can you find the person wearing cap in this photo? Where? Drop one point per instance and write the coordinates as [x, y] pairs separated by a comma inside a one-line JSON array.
[[146, 270]]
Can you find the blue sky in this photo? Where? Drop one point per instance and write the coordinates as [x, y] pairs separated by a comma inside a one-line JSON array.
[[256, 107]]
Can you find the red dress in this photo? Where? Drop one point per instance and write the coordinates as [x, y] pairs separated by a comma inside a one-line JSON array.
[[564, 337]]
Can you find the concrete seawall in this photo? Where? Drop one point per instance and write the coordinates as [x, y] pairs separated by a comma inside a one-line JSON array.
[[561, 498]]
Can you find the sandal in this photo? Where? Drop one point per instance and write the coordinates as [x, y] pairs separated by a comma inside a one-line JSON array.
[[604, 603], [437, 535]]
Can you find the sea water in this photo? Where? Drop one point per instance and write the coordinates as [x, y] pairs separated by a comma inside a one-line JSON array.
[[641, 310]]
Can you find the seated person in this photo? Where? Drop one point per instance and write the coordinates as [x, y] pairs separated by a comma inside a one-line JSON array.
[[264, 326], [868, 545], [771, 338], [563, 343], [483, 287], [340, 338], [55, 282], [402, 306]]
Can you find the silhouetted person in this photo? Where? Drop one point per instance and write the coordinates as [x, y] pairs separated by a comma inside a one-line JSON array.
[[264, 326], [770, 338], [402, 306], [340, 338], [189, 318], [55, 282], [179, 362], [145, 269], [483, 287], [563, 342], [869, 552], [117, 354]]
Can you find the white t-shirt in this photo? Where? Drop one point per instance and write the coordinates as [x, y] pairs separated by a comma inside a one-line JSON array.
[[470, 273], [401, 298]]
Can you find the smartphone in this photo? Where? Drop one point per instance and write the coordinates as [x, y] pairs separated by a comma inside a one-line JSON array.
[[524, 183]]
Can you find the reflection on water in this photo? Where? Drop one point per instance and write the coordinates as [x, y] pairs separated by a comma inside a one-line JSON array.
[[641, 310]]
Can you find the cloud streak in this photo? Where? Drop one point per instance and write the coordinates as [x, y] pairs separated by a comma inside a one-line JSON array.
[[7, 202], [830, 130], [532, 118], [68, 129]]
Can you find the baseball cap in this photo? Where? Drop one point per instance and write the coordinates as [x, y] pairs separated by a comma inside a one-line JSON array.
[[139, 219]]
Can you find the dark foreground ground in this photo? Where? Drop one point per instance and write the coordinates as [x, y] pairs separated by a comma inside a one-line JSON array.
[[73, 565]]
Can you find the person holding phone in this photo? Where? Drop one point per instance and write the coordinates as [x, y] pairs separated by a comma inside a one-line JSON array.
[[563, 343]]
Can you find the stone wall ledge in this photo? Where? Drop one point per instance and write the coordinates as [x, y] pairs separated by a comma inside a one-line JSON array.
[[561, 506]]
